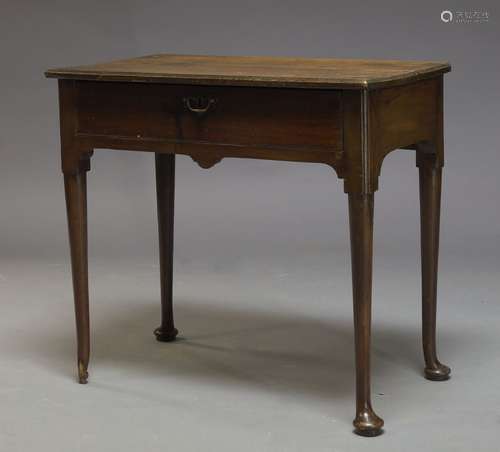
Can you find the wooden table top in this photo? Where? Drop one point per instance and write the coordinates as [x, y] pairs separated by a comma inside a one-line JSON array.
[[257, 71]]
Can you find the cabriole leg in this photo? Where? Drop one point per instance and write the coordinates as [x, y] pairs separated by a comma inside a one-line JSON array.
[[366, 422], [430, 206]]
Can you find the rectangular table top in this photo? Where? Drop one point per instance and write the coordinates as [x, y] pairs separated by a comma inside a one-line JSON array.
[[257, 71]]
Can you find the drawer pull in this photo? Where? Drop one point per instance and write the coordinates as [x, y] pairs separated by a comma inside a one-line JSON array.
[[199, 105]]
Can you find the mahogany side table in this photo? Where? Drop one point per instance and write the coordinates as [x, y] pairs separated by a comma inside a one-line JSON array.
[[348, 114]]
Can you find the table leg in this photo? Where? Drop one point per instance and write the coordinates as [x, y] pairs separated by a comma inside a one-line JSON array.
[[366, 422], [165, 194], [76, 206], [430, 205]]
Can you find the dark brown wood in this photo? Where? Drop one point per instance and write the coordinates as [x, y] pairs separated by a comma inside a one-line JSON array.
[[243, 122], [343, 113], [377, 122], [401, 117], [165, 195], [257, 71], [366, 422], [75, 164], [430, 160], [76, 201], [430, 207]]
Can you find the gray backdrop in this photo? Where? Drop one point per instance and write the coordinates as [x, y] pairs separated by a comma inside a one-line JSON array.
[[267, 360]]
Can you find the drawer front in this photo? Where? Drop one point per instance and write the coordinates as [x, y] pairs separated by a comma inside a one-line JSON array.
[[128, 110], [263, 117], [227, 116]]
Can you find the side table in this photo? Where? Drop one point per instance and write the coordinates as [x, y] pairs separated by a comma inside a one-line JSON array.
[[348, 114]]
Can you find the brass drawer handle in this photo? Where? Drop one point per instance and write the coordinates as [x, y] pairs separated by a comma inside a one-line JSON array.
[[199, 105]]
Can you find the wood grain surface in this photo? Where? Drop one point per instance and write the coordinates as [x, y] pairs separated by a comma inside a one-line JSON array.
[[257, 71], [266, 118]]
